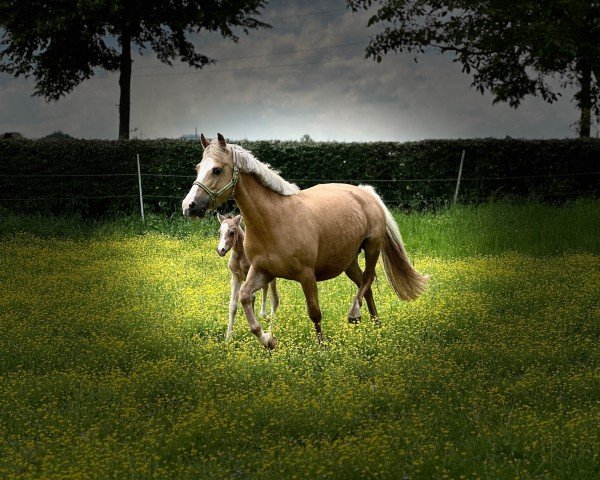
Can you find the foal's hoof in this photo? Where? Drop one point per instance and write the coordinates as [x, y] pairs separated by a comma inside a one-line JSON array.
[[354, 320], [272, 343]]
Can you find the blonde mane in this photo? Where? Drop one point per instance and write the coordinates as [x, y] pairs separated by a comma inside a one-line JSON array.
[[248, 163]]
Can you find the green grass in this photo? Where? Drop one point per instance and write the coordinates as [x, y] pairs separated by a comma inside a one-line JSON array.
[[113, 363], [531, 228]]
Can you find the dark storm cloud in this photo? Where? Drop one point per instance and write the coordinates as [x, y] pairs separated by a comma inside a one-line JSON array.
[[307, 74]]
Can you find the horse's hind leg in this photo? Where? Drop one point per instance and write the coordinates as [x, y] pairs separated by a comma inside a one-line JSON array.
[[255, 281], [355, 274], [372, 249]]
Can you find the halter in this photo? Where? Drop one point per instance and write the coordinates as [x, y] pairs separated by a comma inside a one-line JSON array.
[[214, 195]]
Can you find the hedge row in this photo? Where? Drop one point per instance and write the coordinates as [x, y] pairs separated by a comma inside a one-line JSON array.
[[411, 174]]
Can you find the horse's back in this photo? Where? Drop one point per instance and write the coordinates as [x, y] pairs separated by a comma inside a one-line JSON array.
[[343, 199], [343, 217]]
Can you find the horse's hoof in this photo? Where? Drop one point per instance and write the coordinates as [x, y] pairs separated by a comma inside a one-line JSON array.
[[376, 322], [272, 343], [354, 320]]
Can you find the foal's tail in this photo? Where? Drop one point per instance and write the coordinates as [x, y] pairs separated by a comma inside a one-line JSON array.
[[405, 280]]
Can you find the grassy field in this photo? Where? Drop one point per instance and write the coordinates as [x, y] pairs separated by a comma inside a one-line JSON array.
[[113, 362]]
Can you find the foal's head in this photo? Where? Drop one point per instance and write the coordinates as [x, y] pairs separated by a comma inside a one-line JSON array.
[[229, 232], [215, 180]]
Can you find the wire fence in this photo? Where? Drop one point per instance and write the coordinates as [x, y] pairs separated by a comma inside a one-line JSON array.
[[453, 181]]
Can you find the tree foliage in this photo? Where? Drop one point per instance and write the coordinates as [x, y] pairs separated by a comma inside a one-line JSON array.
[[62, 43], [511, 48]]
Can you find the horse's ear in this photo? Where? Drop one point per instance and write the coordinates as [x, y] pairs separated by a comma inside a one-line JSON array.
[[238, 219], [221, 139], [220, 217], [205, 142]]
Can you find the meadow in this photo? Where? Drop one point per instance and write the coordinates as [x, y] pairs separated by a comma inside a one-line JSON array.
[[113, 362]]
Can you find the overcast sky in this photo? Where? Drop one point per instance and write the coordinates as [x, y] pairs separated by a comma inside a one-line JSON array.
[[306, 75]]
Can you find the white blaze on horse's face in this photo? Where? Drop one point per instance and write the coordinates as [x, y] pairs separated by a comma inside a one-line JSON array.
[[227, 236], [194, 205]]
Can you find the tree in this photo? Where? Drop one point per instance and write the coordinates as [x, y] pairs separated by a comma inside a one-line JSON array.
[[62, 44], [512, 48], [58, 135], [10, 135], [306, 138]]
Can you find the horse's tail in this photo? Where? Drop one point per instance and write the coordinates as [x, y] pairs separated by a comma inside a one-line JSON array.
[[405, 280]]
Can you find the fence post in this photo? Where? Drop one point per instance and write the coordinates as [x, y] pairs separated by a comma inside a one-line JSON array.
[[137, 156], [462, 159]]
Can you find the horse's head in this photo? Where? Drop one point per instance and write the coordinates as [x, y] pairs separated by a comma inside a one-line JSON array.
[[229, 233], [215, 181]]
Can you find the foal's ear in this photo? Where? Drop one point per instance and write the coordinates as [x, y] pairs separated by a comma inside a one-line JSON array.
[[238, 219], [221, 139], [205, 142], [220, 217]]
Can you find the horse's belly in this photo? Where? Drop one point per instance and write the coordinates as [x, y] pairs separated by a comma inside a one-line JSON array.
[[334, 264], [328, 273]]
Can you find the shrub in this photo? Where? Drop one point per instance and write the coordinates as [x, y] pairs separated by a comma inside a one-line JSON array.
[[96, 177]]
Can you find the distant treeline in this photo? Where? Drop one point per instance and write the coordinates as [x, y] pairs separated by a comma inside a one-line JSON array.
[[98, 177]]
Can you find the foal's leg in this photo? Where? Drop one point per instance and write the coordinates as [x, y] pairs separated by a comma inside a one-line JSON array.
[[274, 303], [309, 286], [355, 274], [263, 306], [233, 302], [372, 249], [255, 281]]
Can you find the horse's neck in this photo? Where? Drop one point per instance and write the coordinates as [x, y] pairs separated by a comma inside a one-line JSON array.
[[238, 246], [238, 262], [258, 204]]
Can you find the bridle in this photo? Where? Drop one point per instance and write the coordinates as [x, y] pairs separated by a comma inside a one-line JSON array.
[[214, 195]]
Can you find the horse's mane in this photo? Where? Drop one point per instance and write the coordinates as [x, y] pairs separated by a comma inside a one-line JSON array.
[[248, 163]]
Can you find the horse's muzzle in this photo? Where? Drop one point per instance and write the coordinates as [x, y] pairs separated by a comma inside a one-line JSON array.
[[196, 210], [195, 213]]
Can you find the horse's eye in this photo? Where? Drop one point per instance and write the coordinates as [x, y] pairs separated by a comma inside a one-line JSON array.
[[217, 171]]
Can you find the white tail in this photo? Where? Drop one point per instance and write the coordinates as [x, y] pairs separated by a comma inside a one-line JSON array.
[[404, 279]]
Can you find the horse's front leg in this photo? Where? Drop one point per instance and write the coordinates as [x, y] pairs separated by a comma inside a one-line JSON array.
[[311, 292], [256, 280], [233, 302], [274, 296]]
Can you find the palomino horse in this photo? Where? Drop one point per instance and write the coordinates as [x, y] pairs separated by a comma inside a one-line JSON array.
[[231, 237], [304, 235]]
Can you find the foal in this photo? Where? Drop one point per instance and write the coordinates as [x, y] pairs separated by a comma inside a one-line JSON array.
[[231, 235]]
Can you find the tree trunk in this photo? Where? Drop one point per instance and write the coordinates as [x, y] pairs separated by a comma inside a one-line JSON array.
[[125, 84], [584, 99]]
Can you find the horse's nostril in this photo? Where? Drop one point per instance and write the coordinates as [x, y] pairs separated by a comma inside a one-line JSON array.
[[192, 205]]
